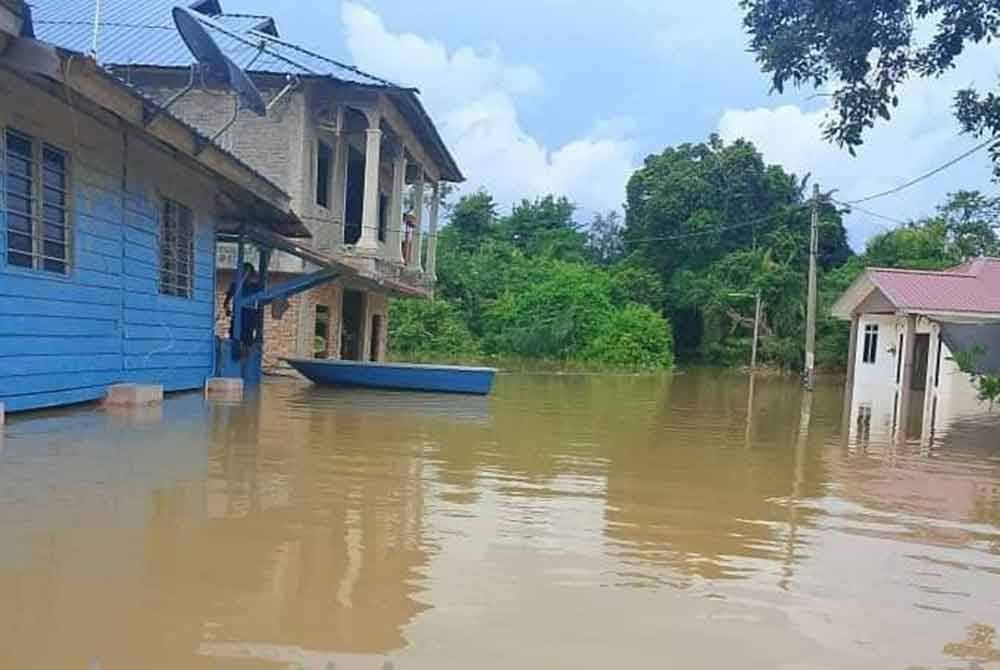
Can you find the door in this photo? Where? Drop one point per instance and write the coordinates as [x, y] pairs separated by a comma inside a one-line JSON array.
[[353, 319], [921, 352], [376, 338]]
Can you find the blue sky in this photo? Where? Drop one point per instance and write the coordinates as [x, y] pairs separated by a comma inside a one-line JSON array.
[[569, 97]]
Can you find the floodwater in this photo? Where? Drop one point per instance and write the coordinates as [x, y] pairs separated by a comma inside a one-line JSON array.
[[565, 522]]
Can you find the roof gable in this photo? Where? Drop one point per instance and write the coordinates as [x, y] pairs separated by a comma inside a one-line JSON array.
[[971, 288]]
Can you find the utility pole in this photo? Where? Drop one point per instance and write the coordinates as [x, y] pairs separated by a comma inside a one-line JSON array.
[[810, 372], [756, 334]]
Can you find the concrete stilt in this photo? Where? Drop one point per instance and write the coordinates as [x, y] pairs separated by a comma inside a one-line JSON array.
[[225, 388], [2, 414], [133, 395], [906, 379]]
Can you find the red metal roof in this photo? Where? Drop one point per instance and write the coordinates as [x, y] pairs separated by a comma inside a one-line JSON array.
[[971, 287]]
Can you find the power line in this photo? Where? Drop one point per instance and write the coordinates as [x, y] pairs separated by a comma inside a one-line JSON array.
[[723, 229], [869, 212], [928, 175]]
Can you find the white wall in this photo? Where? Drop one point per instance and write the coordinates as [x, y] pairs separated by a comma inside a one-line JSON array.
[[875, 385]]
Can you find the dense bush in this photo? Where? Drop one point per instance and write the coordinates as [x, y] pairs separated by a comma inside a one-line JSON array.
[[429, 329], [634, 336], [555, 316]]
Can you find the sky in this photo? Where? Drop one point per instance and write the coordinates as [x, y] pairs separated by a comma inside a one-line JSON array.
[[570, 97]]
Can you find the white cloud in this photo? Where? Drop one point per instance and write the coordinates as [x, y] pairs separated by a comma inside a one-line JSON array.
[[922, 135], [472, 94]]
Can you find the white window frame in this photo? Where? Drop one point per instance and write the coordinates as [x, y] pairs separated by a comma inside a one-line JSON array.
[[869, 349]]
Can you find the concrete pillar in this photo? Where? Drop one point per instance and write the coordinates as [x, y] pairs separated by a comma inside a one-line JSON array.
[[432, 233], [133, 395], [226, 388], [339, 191], [906, 379], [852, 367], [369, 216], [415, 260], [394, 240], [3, 414], [930, 392]]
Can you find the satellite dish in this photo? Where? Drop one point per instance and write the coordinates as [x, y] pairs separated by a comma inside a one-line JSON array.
[[209, 55]]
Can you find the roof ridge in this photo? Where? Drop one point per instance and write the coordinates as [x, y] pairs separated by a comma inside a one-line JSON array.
[[932, 273], [215, 25], [309, 52], [242, 15]]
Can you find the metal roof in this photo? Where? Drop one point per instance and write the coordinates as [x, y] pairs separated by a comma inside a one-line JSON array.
[[981, 338], [971, 288], [143, 33], [137, 34]]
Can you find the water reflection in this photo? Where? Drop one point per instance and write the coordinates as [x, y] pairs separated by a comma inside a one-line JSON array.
[[724, 518]]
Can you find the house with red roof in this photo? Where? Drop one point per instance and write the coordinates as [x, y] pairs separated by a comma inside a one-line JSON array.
[[906, 326]]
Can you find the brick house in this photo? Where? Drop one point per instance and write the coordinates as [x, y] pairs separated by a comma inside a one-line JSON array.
[[351, 149]]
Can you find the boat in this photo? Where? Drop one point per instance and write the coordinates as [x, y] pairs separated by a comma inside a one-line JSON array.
[[396, 376]]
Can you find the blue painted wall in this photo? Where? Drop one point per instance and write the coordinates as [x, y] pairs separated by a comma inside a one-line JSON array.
[[65, 339]]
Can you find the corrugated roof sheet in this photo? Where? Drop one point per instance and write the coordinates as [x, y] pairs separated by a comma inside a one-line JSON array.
[[143, 33], [973, 287], [984, 338]]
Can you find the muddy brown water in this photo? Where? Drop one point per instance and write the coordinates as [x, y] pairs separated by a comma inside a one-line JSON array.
[[565, 522]]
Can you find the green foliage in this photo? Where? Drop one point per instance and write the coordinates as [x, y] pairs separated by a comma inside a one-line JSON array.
[[544, 228], [526, 286], [708, 227], [428, 329], [867, 50], [919, 246], [473, 218], [716, 225], [631, 282], [964, 227], [604, 239], [554, 317], [633, 337]]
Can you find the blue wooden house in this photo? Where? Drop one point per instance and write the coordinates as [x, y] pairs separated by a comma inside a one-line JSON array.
[[109, 212]]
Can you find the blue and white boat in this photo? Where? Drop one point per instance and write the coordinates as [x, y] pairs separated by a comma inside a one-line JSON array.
[[397, 376]]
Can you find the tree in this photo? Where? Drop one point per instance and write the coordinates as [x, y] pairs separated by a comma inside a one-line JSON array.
[[473, 218], [965, 227], [604, 239], [714, 221], [866, 49], [544, 227], [972, 220]]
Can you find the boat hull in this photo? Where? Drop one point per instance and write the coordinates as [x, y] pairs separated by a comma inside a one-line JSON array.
[[397, 376]]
